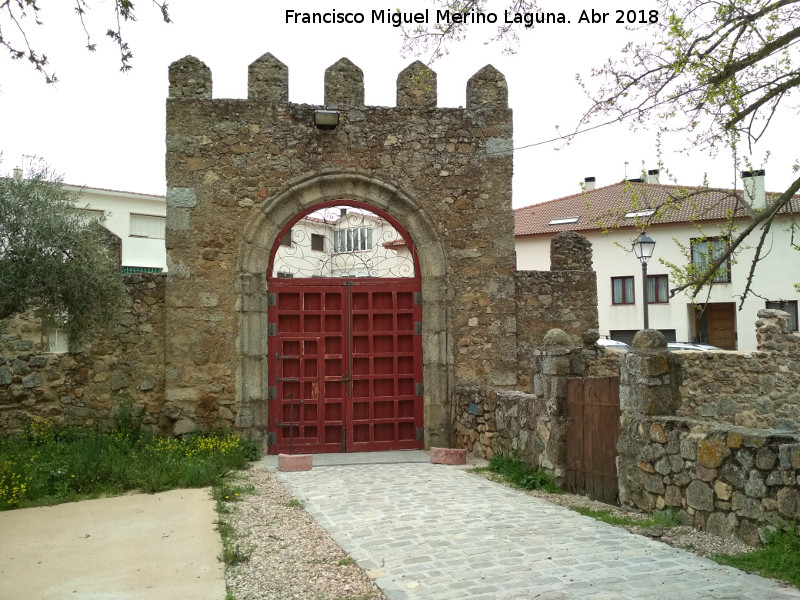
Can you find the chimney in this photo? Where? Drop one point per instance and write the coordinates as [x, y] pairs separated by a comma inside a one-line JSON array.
[[652, 176], [17, 173], [588, 184], [753, 184]]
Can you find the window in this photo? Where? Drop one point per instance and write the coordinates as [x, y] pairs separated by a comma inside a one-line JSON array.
[[622, 290], [87, 215], [639, 213], [706, 251], [147, 226], [287, 239], [789, 306], [564, 221], [317, 242], [353, 239], [57, 341], [657, 289]]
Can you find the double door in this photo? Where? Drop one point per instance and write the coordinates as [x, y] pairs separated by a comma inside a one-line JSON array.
[[345, 366]]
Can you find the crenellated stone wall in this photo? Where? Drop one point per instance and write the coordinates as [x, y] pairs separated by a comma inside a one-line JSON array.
[[87, 387], [238, 171]]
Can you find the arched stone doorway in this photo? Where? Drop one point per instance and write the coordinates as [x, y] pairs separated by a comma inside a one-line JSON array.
[[345, 325], [416, 410]]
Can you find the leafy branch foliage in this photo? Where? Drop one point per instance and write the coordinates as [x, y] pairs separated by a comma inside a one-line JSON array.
[[17, 16], [433, 40], [52, 260], [714, 71]]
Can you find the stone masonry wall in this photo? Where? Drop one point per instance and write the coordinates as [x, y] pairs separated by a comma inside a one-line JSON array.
[[717, 475], [728, 480], [556, 330], [750, 389], [238, 171], [87, 387]]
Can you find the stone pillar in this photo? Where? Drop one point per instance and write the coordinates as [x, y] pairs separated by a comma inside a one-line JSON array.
[[648, 387], [487, 89], [570, 251], [772, 332], [553, 364]]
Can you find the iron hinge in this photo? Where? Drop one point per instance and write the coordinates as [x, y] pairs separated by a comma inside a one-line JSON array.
[[272, 299], [417, 328], [417, 298], [272, 392], [272, 329], [272, 438], [420, 434], [419, 389]]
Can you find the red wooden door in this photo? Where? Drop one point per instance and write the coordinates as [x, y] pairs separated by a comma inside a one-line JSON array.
[[345, 365]]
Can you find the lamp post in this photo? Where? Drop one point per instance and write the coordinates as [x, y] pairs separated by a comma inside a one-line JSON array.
[[643, 248]]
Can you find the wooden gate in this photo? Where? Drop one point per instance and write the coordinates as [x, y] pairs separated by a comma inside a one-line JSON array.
[[592, 433], [345, 365]]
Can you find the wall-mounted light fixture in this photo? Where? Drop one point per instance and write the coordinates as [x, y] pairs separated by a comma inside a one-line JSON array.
[[326, 119]]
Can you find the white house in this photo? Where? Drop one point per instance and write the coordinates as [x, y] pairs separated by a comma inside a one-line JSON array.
[[138, 219], [715, 316], [342, 241]]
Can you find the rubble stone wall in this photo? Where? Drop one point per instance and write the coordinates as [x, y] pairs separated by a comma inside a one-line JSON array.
[[238, 171], [86, 387], [556, 331], [683, 446], [750, 389]]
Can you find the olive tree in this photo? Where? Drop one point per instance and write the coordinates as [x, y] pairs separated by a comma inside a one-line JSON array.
[[53, 260]]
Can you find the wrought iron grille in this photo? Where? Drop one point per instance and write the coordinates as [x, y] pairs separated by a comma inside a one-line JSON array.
[[343, 241]]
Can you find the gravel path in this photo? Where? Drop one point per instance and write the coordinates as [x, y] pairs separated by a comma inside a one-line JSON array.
[[292, 557]]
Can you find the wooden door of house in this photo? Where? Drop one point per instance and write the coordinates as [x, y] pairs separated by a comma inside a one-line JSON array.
[[593, 429], [720, 324]]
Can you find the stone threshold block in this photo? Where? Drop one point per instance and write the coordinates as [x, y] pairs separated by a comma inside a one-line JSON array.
[[295, 462], [449, 456]]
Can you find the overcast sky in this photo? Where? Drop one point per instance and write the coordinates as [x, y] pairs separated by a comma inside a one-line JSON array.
[[102, 128]]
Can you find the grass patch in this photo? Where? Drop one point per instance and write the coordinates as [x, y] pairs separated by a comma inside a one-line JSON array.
[[518, 473], [665, 518], [50, 464], [346, 562], [293, 503], [779, 557]]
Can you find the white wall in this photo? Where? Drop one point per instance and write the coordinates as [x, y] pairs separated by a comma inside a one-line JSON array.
[[117, 208], [301, 261], [774, 279]]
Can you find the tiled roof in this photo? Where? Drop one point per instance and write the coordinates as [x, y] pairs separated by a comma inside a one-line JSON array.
[[607, 206]]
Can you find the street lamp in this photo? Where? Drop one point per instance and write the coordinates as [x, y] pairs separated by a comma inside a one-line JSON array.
[[643, 248]]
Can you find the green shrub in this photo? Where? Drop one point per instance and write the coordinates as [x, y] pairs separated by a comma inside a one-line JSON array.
[[48, 464]]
